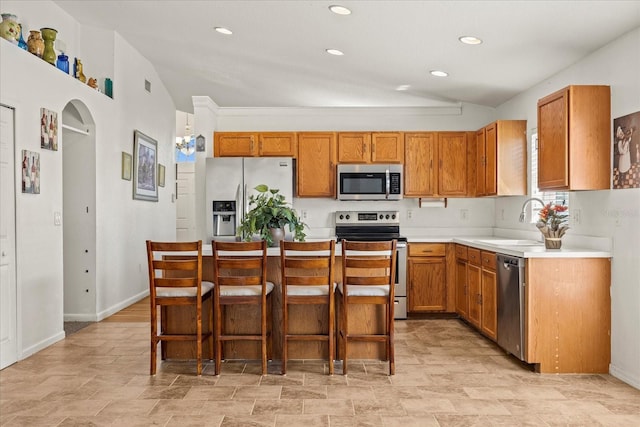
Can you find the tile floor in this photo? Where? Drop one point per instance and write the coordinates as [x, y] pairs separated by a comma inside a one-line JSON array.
[[447, 375]]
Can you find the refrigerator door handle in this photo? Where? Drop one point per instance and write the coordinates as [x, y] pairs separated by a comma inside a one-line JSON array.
[[245, 202], [239, 208]]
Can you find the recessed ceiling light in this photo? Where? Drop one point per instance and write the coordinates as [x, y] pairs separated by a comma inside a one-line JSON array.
[[470, 40], [335, 52], [223, 30], [438, 73], [403, 87], [339, 10]]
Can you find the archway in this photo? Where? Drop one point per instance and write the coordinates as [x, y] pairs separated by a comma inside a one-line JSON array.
[[79, 207]]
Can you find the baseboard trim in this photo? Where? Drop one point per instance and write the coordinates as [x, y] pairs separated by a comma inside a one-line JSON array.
[[121, 305], [41, 345], [625, 376]]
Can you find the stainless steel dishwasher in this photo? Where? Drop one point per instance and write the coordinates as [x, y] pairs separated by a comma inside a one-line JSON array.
[[511, 304]]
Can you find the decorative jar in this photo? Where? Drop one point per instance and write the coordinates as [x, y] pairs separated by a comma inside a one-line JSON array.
[[63, 62], [35, 43], [49, 36], [9, 28]]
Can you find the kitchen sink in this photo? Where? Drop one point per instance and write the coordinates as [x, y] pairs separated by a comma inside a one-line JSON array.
[[509, 242]]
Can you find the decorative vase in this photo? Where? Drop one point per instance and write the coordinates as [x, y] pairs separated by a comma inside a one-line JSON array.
[[21, 43], [552, 242], [277, 234], [78, 71], [63, 63], [49, 36], [9, 28], [35, 43]]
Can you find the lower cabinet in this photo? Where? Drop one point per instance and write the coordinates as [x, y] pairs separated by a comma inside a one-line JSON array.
[[427, 273], [462, 290], [482, 291]]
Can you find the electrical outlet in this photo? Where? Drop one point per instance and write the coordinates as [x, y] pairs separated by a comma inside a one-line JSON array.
[[502, 214], [303, 214], [409, 213], [464, 214], [577, 216]]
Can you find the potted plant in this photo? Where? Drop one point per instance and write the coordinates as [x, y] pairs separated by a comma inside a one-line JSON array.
[[552, 223], [268, 216]]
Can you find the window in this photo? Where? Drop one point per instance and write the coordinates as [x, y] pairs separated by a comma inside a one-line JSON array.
[[555, 197]]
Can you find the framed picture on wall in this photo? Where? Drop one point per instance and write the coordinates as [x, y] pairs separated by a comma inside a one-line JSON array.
[[30, 172], [145, 167], [160, 175], [48, 129], [126, 166]]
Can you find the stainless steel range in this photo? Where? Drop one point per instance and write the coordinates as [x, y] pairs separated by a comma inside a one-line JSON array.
[[377, 226]]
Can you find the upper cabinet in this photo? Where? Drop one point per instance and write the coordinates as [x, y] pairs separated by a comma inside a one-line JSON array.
[[252, 144], [366, 147], [316, 169], [501, 159], [574, 139], [436, 164]]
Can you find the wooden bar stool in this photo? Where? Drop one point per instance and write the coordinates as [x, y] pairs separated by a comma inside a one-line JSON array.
[[308, 279], [368, 277], [177, 281], [240, 271]]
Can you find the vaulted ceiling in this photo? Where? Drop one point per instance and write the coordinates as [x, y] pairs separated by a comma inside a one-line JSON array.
[[276, 56]]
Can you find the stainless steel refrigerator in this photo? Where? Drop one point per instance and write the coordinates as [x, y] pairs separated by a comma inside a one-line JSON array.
[[234, 178]]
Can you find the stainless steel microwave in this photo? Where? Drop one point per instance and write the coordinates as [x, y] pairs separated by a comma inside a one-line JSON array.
[[369, 182]]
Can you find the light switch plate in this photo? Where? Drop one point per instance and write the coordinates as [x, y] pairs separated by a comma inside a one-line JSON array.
[[57, 218]]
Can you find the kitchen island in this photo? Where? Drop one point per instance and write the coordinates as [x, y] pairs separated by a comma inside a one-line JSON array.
[[567, 311]]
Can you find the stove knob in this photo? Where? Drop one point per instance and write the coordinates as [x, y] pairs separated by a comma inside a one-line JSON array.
[[387, 216], [381, 216], [341, 216], [348, 216], [393, 216]]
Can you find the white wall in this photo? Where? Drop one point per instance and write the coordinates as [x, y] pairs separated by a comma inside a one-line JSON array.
[[28, 83], [613, 214]]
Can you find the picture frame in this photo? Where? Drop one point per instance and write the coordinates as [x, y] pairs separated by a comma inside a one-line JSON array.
[[126, 166], [48, 129], [161, 170], [145, 167], [30, 172]]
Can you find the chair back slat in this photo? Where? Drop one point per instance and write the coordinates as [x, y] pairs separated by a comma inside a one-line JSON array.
[[309, 263], [376, 268], [176, 282], [307, 280], [240, 264]]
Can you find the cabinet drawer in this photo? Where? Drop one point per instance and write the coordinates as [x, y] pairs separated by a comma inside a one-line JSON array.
[[473, 255], [427, 249], [488, 260], [461, 252]]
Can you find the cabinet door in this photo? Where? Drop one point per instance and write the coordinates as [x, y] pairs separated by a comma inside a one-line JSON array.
[[354, 147], [489, 320], [462, 297], [481, 186], [427, 284], [490, 153], [474, 290], [277, 144], [235, 144], [452, 164], [419, 170], [316, 171], [387, 147], [553, 142]]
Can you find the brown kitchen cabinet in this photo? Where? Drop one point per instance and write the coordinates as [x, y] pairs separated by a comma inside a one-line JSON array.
[[370, 147], [489, 296], [252, 144], [436, 164], [501, 159], [462, 292], [316, 170], [574, 139], [427, 286], [482, 291]]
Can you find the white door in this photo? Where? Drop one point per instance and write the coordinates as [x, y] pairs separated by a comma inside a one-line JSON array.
[[186, 202], [8, 303]]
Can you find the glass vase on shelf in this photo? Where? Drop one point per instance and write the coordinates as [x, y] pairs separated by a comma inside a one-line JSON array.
[[35, 44]]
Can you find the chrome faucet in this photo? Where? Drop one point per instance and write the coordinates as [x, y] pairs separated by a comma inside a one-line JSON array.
[[526, 202]]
